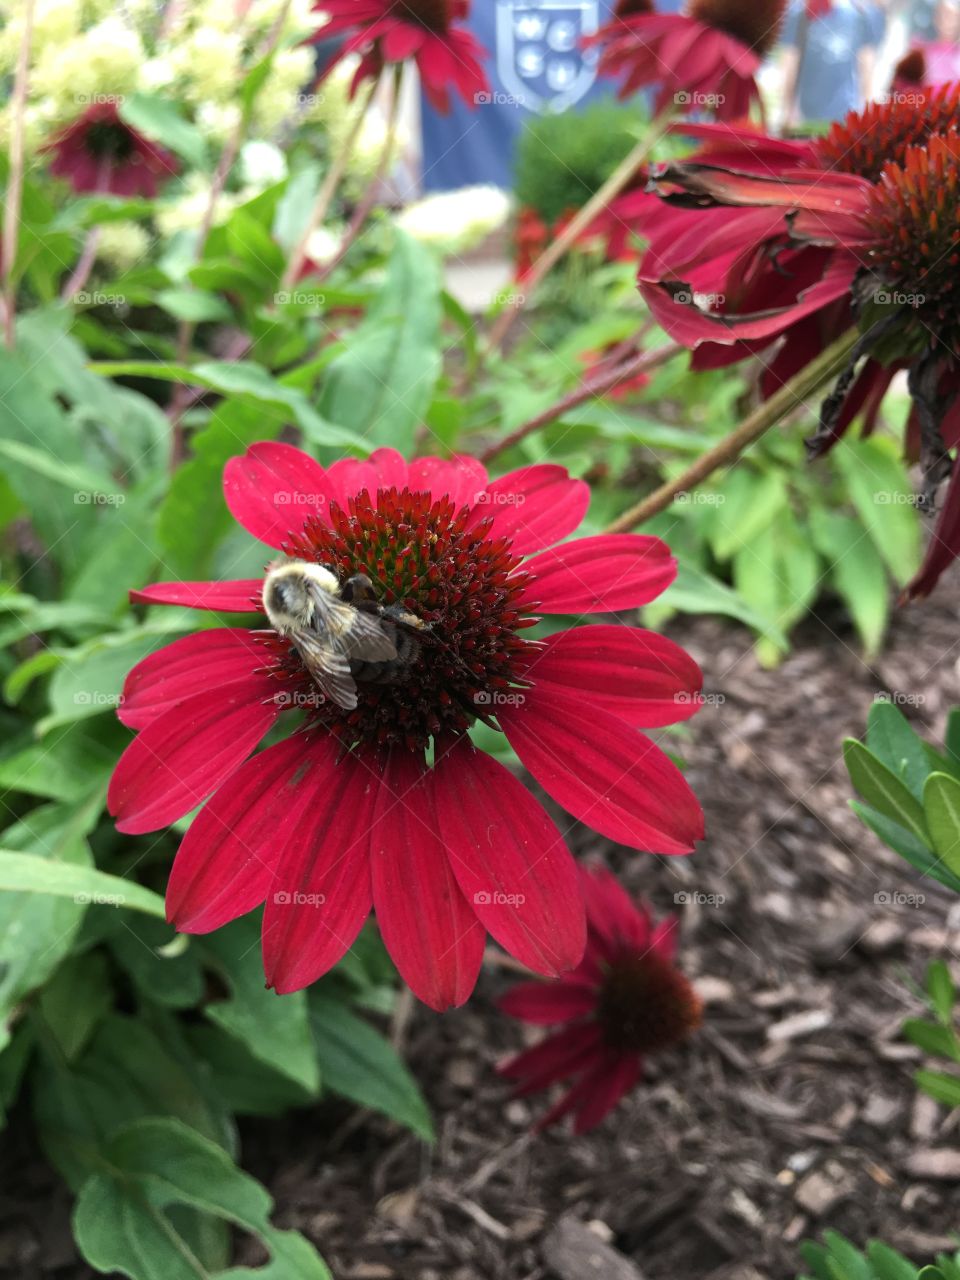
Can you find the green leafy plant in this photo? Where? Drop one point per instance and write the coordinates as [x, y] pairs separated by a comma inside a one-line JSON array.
[[937, 1035], [837, 1259]]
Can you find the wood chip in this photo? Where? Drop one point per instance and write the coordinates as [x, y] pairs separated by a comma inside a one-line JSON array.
[[573, 1252], [801, 1024], [937, 1163]]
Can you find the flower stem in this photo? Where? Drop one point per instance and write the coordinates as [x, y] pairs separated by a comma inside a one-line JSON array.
[[368, 199], [643, 362], [327, 191], [11, 218], [594, 206], [791, 395]]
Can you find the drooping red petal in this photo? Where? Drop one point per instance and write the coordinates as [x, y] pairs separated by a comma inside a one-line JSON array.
[[598, 1091], [321, 894], [240, 596], [535, 506], [608, 775], [190, 665], [509, 859], [548, 1002], [640, 676], [944, 545], [600, 575], [177, 760], [229, 857], [273, 488], [433, 936], [612, 914], [555, 1058]]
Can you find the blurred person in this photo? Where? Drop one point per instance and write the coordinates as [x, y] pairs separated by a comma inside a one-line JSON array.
[[942, 54], [829, 56], [536, 65]]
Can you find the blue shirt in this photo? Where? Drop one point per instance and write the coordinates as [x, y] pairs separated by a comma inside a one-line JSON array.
[[535, 65], [829, 77]]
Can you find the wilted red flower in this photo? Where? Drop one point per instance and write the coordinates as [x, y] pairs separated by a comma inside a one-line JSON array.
[[530, 238], [625, 1001], [867, 235], [347, 813], [706, 58], [99, 152], [448, 56]]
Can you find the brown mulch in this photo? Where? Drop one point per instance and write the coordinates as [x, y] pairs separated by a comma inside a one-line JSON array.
[[792, 1110]]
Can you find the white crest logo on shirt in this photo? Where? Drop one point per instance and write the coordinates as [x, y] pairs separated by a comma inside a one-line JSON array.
[[540, 60]]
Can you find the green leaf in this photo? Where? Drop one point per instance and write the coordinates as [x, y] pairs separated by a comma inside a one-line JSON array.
[[193, 305], [933, 1039], [694, 591], [893, 741], [123, 1223], [857, 573], [359, 1063], [37, 931], [275, 1029], [942, 991], [749, 502], [164, 966], [72, 1004], [159, 119], [27, 873], [915, 851], [939, 1085], [952, 742], [879, 489], [381, 385], [888, 1264], [881, 788], [292, 1258], [941, 805]]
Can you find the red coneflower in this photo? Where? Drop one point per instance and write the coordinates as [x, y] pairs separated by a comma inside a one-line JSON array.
[[347, 813], [625, 1001], [865, 236], [99, 152], [381, 31], [705, 59]]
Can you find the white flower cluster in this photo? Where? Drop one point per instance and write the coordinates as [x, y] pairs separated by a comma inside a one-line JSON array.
[[456, 221]]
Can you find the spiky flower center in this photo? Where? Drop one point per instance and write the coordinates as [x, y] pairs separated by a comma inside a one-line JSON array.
[[110, 140], [450, 570], [435, 15], [915, 219], [755, 24], [868, 140], [646, 1004]]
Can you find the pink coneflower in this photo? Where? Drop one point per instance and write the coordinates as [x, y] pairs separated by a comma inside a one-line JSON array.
[[625, 1001], [98, 152], [348, 813], [704, 59], [382, 31]]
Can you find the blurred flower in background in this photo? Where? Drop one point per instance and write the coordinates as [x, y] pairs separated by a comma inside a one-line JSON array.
[[625, 1001], [457, 221]]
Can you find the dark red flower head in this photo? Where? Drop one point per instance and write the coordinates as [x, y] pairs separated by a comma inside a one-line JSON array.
[[911, 70], [867, 140], [628, 8], [624, 1002], [703, 60], [448, 56], [99, 152], [348, 812]]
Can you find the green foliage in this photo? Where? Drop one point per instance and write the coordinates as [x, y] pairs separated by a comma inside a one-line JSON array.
[[837, 1259], [558, 168]]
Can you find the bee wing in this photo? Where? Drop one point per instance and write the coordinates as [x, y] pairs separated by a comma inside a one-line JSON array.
[[328, 667], [361, 636]]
